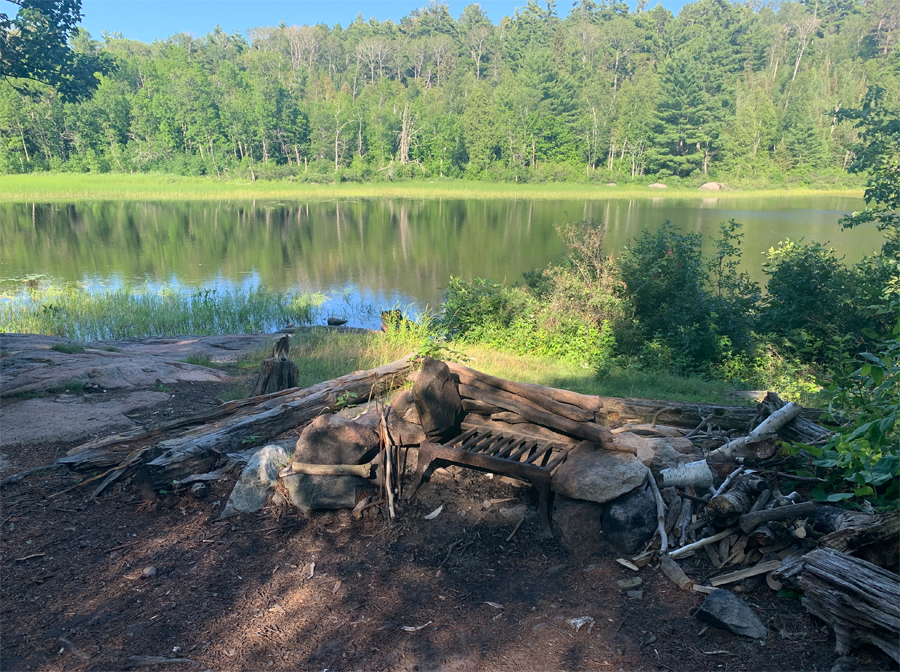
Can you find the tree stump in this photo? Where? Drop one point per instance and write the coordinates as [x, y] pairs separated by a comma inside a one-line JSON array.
[[276, 375]]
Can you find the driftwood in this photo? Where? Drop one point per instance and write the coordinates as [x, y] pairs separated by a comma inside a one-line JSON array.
[[361, 470], [276, 375], [684, 550], [535, 393], [859, 600], [521, 392], [749, 521], [598, 435], [660, 515], [767, 430]]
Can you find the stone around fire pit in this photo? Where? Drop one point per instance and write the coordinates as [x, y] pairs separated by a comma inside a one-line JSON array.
[[629, 522], [597, 475], [660, 452], [577, 525]]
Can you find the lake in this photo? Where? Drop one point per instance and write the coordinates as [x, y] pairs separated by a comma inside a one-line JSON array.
[[384, 252]]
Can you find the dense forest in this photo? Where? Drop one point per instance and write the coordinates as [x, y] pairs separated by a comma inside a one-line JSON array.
[[739, 91]]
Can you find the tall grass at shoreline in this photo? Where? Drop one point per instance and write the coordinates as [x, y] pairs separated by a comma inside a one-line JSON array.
[[74, 312], [71, 187]]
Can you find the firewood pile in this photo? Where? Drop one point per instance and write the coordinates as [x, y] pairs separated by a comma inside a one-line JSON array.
[[712, 474]]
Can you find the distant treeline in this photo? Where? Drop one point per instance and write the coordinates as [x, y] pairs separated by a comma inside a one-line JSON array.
[[724, 90]]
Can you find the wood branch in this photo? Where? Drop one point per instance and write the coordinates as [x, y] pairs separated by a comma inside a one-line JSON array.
[[198, 450], [763, 535], [684, 550], [738, 499], [535, 393], [749, 521], [362, 470], [741, 574], [600, 436], [276, 375], [767, 430], [859, 600], [660, 515], [728, 481]]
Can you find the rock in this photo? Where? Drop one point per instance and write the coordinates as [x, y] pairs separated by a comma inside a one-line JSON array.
[[660, 452], [436, 399], [577, 525], [148, 572], [404, 433], [200, 490], [723, 610], [657, 185], [629, 522], [402, 404], [635, 594], [257, 481], [309, 493], [629, 584], [335, 322], [611, 184], [846, 664], [331, 439], [712, 186], [598, 475]]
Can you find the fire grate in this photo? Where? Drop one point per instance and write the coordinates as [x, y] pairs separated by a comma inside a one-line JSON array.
[[503, 453]]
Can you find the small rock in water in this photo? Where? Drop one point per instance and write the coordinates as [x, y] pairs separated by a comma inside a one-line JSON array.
[[336, 322]]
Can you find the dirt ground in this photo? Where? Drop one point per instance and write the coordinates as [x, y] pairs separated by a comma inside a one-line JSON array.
[[88, 584]]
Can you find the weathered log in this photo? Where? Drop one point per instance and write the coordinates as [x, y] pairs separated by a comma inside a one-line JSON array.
[[599, 436], [875, 539], [478, 406], [276, 375], [198, 450], [739, 498], [763, 567], [584, 404], [859, 600], [749, 521], [361, 470], [510, 418], [617, 411]]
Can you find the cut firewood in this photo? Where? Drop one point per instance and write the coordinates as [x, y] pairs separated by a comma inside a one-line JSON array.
[[674, 573], [738, 499], [763, 535], [749, 521], [700, 543], [859, 600], [598, 435], [761, 568], [583, 401]]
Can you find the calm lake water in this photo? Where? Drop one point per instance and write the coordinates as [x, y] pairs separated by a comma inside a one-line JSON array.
[[381, 252]]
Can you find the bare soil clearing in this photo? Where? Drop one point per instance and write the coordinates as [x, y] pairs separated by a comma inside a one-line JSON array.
[[279, 591]]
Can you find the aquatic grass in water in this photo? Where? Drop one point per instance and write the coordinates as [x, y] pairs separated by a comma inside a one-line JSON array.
[[74, 312]]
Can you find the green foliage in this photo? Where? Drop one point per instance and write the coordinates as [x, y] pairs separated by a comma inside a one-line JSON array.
[[861, 462], [199, 359], [68, 348]]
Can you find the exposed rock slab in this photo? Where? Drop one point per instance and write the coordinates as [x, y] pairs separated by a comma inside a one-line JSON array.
[[331, 439], [724, 610], [598, 475]]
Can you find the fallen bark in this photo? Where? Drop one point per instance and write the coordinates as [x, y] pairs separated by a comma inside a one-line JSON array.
[[859, 600]]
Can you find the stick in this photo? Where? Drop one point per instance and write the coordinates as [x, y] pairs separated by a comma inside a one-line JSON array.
[[702, 424], [684, 550], [682, 536], [388, 471], [766, 430], [739, 575], [515, 529], [659, 413], [749, 521], [15, 478], [728, 481], [294, 468], [792, 477], [660, 515]]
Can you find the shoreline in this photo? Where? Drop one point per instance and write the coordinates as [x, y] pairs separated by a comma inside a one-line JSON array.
[[73, 187]]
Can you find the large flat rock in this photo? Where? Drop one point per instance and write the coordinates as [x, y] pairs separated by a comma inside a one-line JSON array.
[[598, 475]]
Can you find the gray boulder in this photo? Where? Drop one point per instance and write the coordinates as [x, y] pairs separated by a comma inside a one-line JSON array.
[[724, 610], [629, 522], [598, 475], [577, 525], [309, 493], [257, 481], [330, 439]]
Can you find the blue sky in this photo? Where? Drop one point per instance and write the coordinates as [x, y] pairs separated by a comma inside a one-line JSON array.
[[148, 20]]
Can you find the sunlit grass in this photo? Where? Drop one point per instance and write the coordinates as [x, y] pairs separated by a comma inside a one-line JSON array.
[[74, 312], [46, 187]]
